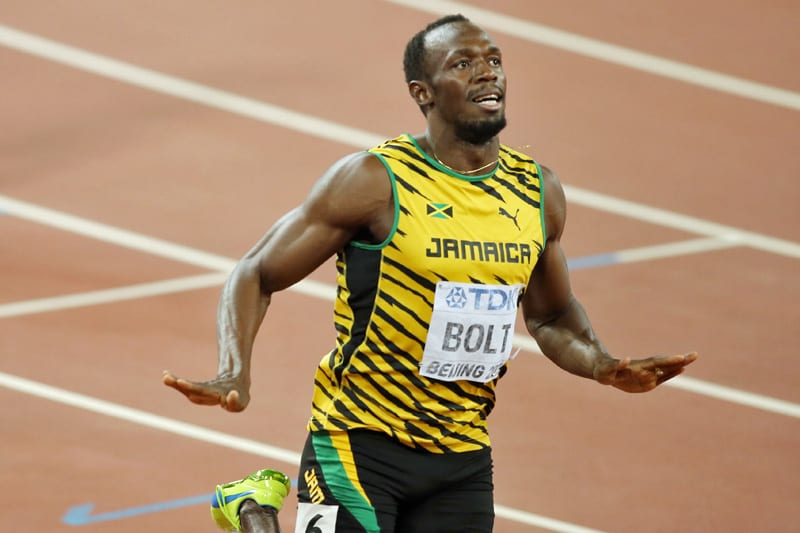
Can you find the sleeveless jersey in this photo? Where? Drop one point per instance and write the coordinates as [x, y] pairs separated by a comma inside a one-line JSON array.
[[483, 230]]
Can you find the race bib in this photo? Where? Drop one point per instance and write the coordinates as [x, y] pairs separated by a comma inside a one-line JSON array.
[[470, 331], [315, 518]]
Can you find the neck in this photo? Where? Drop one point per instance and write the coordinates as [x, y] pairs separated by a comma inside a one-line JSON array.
[[459, 156], [467, 172]]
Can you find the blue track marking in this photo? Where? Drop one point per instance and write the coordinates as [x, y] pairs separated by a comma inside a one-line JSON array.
[[593, 261], [81, 515]]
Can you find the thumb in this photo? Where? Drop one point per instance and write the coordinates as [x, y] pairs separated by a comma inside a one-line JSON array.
[[232, 403]]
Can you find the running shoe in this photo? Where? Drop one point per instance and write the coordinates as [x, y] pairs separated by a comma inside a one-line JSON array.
[[267, 488]]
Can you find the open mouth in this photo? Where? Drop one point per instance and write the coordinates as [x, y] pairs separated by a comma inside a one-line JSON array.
[[491, 102]]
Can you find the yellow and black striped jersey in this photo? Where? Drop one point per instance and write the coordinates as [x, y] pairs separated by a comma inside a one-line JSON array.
[[482, 230]]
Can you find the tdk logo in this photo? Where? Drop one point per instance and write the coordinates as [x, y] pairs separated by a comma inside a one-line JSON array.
[[456, 298], [482, 299]]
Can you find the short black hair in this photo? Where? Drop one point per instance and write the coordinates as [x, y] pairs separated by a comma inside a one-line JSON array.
[[414, 57]]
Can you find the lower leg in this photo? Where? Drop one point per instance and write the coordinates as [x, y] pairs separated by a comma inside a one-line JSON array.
[[257, 519]]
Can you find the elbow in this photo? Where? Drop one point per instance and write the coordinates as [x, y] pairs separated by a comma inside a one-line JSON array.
[[535, 324], [248, 273]]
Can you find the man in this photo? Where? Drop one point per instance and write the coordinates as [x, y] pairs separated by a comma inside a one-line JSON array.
[[439, 238]]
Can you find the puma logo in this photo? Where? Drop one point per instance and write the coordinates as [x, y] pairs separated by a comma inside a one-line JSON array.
[[513, 217]]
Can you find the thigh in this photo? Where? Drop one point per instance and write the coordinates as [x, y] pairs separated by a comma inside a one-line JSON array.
[[365, 481], [463, 506], [331, 496]]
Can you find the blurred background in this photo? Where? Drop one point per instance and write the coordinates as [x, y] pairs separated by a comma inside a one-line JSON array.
[[145, 146]]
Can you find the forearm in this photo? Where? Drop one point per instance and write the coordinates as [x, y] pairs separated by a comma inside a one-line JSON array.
[[569, 341], [241, 310]]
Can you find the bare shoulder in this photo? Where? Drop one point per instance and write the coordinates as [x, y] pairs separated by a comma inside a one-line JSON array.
[[356, 164], [555, 203], [553, 190], [355, 192], [359, 172]]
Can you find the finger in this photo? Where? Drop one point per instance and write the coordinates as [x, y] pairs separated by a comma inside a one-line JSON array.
[[183, 385], [196, 387], [668, 368], [168, 379], [674, 361], [686, 358], [204, 399], [666, 376], [690, 358], [180, 385]]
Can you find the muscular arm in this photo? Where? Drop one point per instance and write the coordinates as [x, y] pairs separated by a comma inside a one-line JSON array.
[[352, 198], [558, 322], [553, 316]]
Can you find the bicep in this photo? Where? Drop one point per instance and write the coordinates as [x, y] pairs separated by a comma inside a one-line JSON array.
[[294, 247], [341, 203], [549, 292]]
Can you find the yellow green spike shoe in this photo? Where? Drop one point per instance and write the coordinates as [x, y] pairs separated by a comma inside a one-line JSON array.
[[267, 488]]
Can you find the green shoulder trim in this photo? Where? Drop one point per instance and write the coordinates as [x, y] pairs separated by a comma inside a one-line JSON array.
[[541, 204], [396, 201]]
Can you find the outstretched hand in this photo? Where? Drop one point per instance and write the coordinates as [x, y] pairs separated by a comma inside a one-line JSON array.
[[642, 375], [228, 393]]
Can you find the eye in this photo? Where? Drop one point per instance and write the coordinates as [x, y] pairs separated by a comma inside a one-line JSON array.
[[462, 64], [495, 61]]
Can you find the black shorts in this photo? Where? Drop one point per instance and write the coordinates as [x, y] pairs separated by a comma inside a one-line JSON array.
[[364, 481]]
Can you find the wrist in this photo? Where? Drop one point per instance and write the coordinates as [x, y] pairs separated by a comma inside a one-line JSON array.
[[605, 368], [234, 369]]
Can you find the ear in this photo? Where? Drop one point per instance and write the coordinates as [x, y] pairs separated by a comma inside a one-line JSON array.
[[421, 92]]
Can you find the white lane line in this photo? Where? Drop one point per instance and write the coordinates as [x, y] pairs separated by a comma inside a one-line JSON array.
[[186, 90], [308, 287], [137, 241], [142, 290], [144, 418], [610, 53], [542, 522], [674, 249], [353, 137], [226, 440], [703, 388], [669, 219], [111, 234], [728, 394], [649, 253]]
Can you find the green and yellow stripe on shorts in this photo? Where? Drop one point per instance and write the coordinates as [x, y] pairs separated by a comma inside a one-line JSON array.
[[335, 457]]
